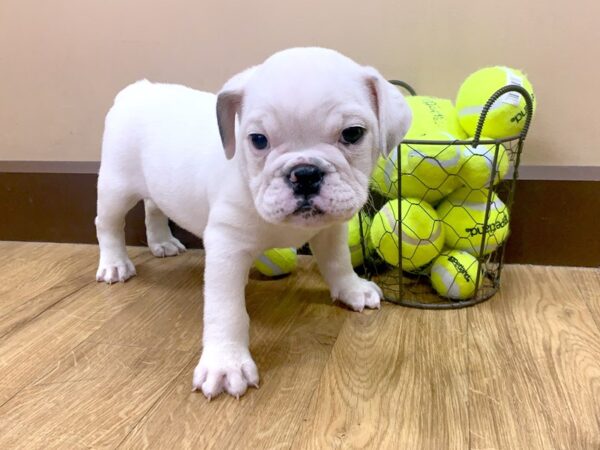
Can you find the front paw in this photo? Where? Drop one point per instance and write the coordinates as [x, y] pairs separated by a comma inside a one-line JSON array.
[[116, 270], [359, 294], [225, 368]]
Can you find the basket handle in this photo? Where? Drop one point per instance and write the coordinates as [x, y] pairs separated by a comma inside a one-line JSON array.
[[495, 96], [404, 85]]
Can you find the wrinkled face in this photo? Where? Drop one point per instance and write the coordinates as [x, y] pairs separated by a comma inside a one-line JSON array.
[[308, 163], [307, 137]]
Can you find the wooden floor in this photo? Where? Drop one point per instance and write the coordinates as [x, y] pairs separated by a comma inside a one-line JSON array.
[[88, 365]]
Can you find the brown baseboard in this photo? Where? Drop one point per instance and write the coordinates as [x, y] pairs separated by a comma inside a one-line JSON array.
[[552, 222], [61, 207], [555, 223]]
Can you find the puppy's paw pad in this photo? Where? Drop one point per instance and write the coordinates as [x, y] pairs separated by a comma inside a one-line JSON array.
[[117, 271], [169, 247], [360, 294], [225, 371]]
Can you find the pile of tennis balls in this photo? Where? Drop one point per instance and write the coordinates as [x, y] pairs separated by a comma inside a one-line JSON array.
[[433, 221]]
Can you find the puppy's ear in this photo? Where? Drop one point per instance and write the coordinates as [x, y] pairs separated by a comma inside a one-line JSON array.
[[392, 111], [229, 103]]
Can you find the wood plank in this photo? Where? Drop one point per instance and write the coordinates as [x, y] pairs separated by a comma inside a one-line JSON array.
[[31, 350], [23, 256], [534, 365], [45, 276], [91, 399], [90, 365], [12, 250], [396, 379], [293, 327], [587, 283], [33, 270]]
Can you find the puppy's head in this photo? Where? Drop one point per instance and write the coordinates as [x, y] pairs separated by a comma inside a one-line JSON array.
[[310, 125]]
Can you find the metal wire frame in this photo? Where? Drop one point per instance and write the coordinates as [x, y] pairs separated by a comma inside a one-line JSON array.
[[491, 264]]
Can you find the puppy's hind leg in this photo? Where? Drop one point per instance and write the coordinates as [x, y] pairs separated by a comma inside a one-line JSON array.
[[113, 204], [160, 239]]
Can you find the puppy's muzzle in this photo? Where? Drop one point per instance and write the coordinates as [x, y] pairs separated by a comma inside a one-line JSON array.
[[305, 180]]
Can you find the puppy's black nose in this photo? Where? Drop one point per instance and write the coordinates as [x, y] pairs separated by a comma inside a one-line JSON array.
[[306, 179]]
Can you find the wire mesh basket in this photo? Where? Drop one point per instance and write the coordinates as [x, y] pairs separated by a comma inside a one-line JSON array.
[[400, 233]]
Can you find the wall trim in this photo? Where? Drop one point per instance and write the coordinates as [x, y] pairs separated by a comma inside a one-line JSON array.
[[49, 166], [552, 222], [560, 173], [529, 172]]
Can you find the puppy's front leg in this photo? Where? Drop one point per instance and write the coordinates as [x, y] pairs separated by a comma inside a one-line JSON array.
[[226, 363], [330, 247]]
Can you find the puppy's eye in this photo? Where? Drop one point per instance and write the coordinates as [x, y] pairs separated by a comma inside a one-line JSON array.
[[352, 135], [259, 141]]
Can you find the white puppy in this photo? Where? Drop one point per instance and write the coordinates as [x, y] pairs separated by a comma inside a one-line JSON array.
[[282, 156]]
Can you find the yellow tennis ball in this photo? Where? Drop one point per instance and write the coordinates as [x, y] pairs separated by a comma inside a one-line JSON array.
[[429, 171], [507, 115], [384, 233], [277, 261], [384, 178], [430, 114], [422, 235], [354, 238], [454, 274], [476, 169], [463, 217]]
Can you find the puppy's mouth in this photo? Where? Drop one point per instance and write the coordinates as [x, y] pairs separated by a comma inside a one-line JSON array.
[[306, 208], [307, 198]]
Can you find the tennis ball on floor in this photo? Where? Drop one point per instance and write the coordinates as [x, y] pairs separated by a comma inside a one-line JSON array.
[[463, 216], [429, 171], [430, 114], [454, 274], [476, 168], [354, 238], [422, 235], [507, 115], [277, 261]]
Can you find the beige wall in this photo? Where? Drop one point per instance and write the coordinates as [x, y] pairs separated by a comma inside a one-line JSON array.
[[62, 61]]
